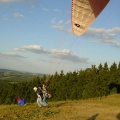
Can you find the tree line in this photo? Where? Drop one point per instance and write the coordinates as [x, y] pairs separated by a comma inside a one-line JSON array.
[[89, 83]]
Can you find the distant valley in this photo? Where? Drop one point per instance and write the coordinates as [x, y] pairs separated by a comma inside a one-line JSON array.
[[12, 75]]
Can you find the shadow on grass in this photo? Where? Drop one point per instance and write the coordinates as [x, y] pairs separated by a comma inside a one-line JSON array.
[[118, 116], [60, 104], [93, 117]]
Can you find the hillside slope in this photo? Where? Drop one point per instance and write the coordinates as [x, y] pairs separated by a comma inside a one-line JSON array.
[[17, 76], [105, 108]]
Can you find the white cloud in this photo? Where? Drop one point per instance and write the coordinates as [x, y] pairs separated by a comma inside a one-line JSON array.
[[33, 48], [62, 28], [60, 22], [96, 34], [11, 1], [56, 10], [59, 54], [11, 55], [18, 15], [116, 30], [6, 1], [52, 61], [45, 9], [61, 25], [53, 20], [68, 22], [104, 35], [68, 56]]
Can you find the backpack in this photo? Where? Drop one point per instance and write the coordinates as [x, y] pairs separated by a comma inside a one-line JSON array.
[[39, 91], [49, 94]]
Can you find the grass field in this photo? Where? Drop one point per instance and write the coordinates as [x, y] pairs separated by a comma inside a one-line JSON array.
[[105, 108]]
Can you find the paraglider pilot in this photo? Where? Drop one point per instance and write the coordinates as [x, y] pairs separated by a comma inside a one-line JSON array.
[[39, 94]]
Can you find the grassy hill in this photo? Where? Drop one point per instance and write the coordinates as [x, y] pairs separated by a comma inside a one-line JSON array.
[[105, 108], [11, 75]]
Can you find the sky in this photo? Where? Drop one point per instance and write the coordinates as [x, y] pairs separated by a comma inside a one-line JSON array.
[[36, 36]]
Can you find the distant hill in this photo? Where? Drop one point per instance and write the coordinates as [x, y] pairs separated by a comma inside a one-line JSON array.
[[12, 75]]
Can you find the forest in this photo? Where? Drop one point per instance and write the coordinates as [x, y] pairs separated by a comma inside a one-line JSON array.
[[82, 84]]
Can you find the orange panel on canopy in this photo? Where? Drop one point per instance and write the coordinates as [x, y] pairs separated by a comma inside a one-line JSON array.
[[84, 12]]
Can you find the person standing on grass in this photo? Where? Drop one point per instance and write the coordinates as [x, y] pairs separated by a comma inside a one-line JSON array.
[[45, 95], [39, 94]]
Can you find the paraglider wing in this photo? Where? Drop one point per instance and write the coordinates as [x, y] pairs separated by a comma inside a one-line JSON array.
[[84, 12]]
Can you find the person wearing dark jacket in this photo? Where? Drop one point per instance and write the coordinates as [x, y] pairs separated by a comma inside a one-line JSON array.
[[39, 96]]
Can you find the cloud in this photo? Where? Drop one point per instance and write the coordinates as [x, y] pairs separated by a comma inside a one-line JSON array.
[[53, 20], [6, 1], [59, 54], [104, 35], [56, 10], [68, 56], [62, 28], [11, 1], [33, 48], [45, 9], [61, 25], [18, 15], [14, 55], [108, 36], [60, 22], [68, 22]]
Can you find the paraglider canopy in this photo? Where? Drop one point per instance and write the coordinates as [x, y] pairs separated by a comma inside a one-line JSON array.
[[84, 12]]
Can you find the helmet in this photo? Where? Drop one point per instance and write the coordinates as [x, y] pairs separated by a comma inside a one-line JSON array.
[[35, 89]]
